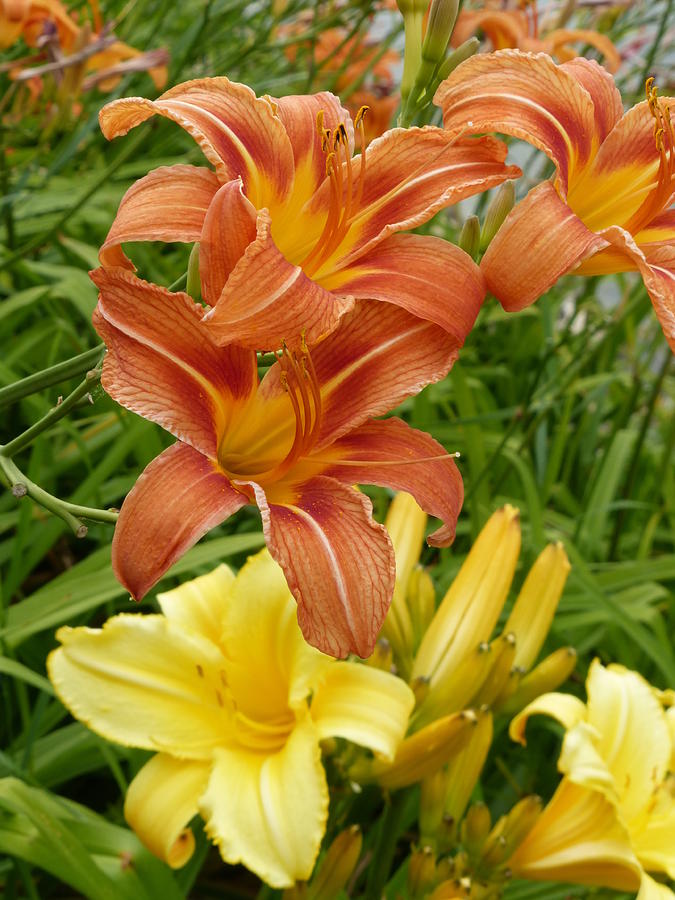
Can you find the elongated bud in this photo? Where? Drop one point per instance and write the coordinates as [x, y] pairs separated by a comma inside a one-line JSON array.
[[503, 655], [432, 806], [194, 286], [382, 656], [454, 691], [499, 208], [456, 58], [546, 677], [509, 832], [421, 754], [440, 24], [537, 602], [421, 603], [476, 827], [465, 768], [421, 872], [337, 865], [470, 609], [469, 237], [420, 688]]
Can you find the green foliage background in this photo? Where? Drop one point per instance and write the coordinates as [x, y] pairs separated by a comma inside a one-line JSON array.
[[564, 410]]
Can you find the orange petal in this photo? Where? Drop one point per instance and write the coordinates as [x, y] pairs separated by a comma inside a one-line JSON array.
[[338, 562], [267, 300], [378, 356], [540, 240], [167, 204], [587, 36], [410, 174], [237, 132], [429, 277], [502, 28], [607, 105], [229, 227], [178, 498], [525, 95], [392, 454], [299, 117], [161, 364]]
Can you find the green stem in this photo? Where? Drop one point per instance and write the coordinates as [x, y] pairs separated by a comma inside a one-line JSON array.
[[391, 825], [57, 412], [48, 377], [22, 486]]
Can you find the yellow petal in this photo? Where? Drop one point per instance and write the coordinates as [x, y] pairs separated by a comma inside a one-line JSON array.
[[670, 718], [471, 607], [364, 705], [261, 634], [652, 890], [200, 604], [582, 763], [623, 709], [578, 839], [537, 602], [144, 682], [160, 802], [269, 811], [654, 840], [568, 710]]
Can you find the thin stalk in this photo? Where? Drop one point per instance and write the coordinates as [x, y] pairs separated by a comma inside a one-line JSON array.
[[391, 825], [91, 379], [62, 371]]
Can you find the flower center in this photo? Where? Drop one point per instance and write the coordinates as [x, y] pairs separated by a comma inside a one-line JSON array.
[[659, 197], [345, 191]]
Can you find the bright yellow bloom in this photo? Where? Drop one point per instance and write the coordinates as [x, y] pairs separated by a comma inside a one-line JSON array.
[[234, 702], [613, 815]]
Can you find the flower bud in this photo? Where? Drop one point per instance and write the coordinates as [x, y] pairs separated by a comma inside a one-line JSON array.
[[476, 827], [469, 237], [454, 691], [509, 832], [421, 603], [193, 286], [337, 865], [382, 656], [421, 872], [547, 676], [440, 24], [503, 654], [432, 806], [465, 767], [458, 56], [500, 206]]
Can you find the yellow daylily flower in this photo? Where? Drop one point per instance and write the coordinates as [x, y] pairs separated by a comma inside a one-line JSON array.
[[613, 815], [224, 688]]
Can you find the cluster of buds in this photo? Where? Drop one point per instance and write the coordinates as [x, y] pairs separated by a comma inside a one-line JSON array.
[[474, 239]]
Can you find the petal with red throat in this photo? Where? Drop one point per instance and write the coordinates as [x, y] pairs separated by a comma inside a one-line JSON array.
[[525, 95], [167, 204], [429, 277], [267, 300], [411, 173], [178, 498], [161, 363], [237, 132], [392, 454], [540, 240], [338, 562], [229, 227]]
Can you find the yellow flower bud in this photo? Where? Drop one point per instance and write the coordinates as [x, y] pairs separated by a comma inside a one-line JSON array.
[[454, 691], [476, 827], [510, 831], [503, 656], [464, 769], [337, 865], [382, 656], [421, 872], [547, 676], [421, 601], [432, 805]]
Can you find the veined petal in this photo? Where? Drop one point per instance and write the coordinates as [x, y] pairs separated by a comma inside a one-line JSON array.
[[161, 363], [237, 132], [653, 838], [178, 498], [167, 204], [623, 708], [578, 839], [269, 811], [261, 634], [392, 454], [267, 300], [229, 227], [652, 890], [525, 95], [583, 764], [410, 174], [565, 708], [429, 277], [378, 356], [298, 114], [540, 240], [364, 705], [503, 28], [160, 802], [338, 562], [561, 36], [607, 105], [660, 231], [201, 603], [142, 681]]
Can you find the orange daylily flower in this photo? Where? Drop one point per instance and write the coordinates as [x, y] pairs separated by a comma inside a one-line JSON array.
[[294, 444], [608, 207], [519, 29], [291, 228]]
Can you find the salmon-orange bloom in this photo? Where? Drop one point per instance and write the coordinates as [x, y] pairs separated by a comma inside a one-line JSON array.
[[291, 227], [294, 444], [608, 209]]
